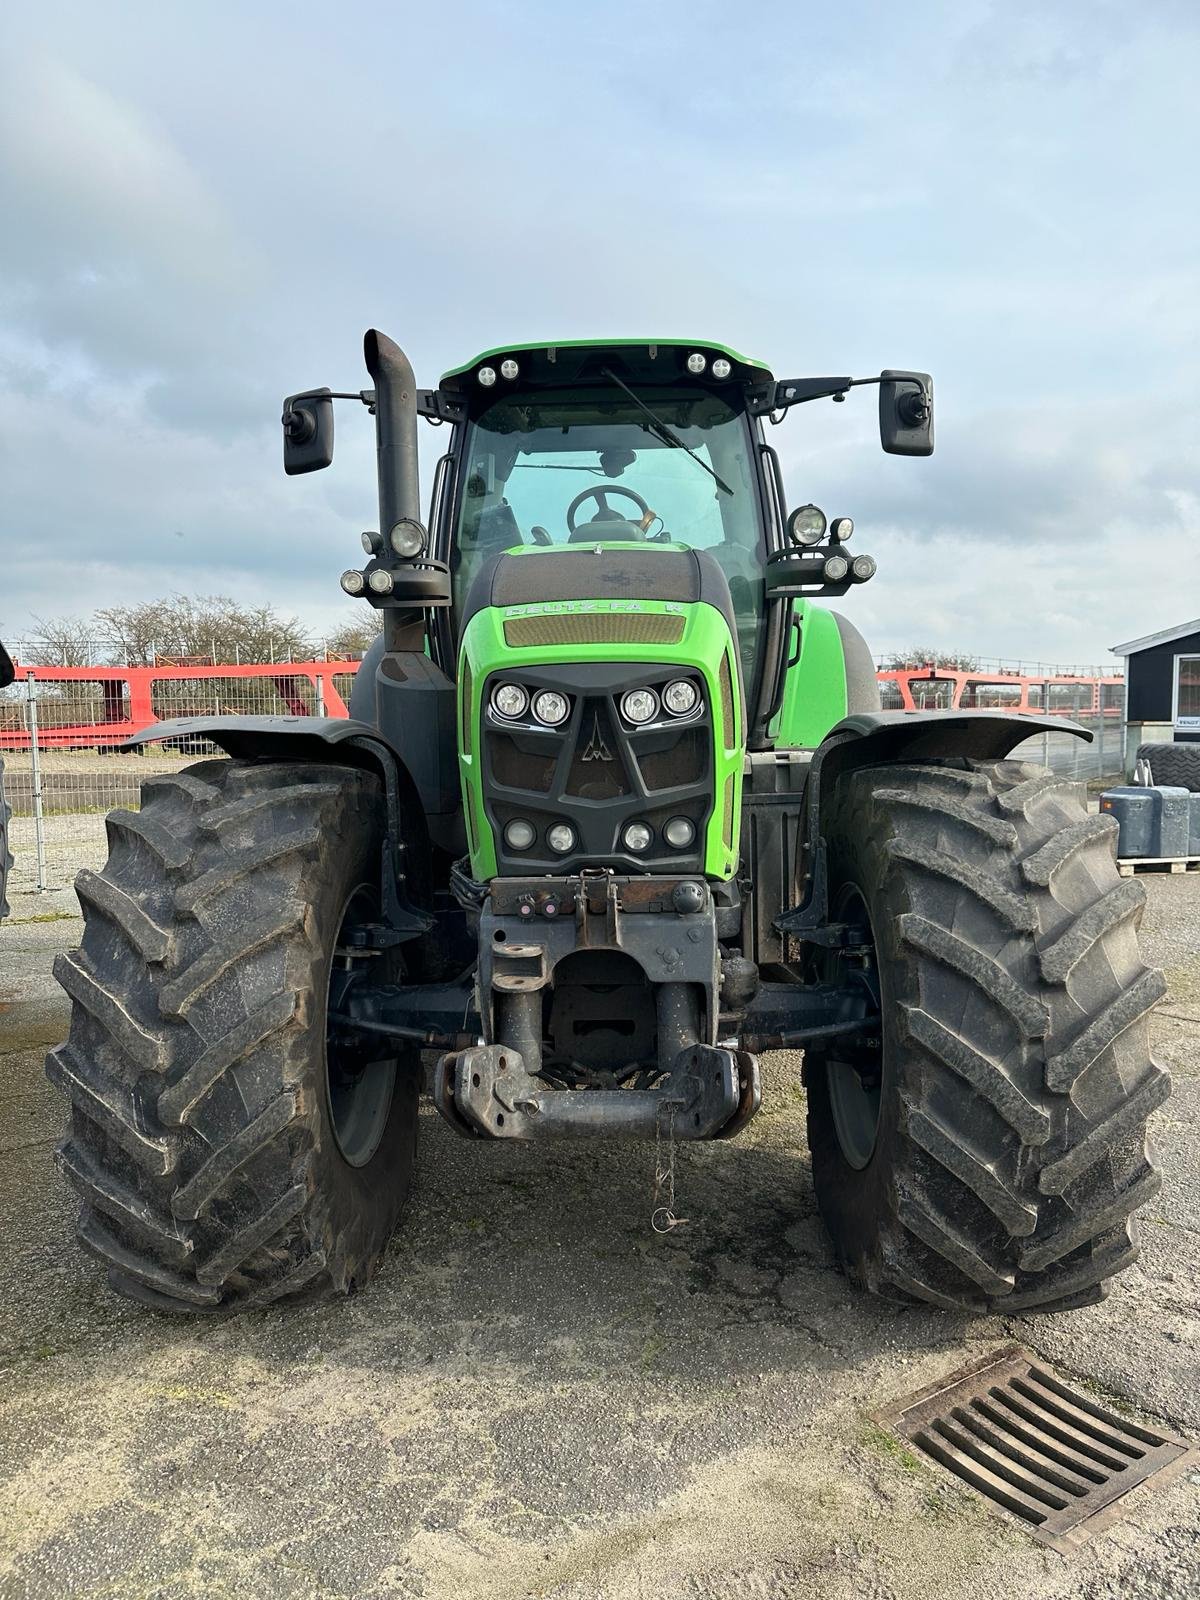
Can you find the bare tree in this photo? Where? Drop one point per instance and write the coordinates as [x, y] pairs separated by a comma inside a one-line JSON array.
[[208, 628], [355, 636], [61, 642], [924, 656]]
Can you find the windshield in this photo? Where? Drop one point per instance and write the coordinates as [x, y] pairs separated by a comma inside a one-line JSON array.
[[591, 466]]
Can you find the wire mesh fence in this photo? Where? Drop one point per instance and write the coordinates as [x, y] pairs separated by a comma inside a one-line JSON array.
[[1067, 754], [61, 733]]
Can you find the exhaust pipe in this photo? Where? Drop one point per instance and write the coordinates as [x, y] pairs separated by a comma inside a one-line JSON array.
[[397, 462], [395, 430]]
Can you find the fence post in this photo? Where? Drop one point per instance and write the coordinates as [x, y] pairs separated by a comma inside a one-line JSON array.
[[35, 761], [320, 697], [1075, 742], [1102, 770]]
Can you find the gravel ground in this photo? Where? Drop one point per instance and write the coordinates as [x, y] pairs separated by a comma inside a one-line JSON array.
[[541, 1397]]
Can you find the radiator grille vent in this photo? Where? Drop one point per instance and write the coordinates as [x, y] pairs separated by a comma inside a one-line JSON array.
[[466, 708], [726, 702], [596, 627]]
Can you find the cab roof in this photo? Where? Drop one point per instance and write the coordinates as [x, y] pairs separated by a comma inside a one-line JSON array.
[[570, 360]]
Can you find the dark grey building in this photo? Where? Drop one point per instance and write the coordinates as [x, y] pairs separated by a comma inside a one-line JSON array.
[[1162, 686]]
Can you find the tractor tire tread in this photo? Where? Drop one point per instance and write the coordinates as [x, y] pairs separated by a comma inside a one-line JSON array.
[[1020, 1004], [194, 1128]]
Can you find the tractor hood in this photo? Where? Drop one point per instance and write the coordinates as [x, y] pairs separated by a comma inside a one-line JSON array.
[[589, 627]]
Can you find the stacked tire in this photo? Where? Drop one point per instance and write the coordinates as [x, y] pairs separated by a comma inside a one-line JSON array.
[[1172, 765]]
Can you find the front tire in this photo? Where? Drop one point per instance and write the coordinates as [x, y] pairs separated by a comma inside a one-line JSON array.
[[221, 1155], [1011, 1070]]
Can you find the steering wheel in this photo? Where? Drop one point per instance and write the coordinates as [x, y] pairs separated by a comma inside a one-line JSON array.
[[600, 495]]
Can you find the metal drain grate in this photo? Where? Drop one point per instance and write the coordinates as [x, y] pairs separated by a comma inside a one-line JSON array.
[[1055, 1457]]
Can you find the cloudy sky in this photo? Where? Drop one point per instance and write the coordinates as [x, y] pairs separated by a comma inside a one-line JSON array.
[[202, 207]]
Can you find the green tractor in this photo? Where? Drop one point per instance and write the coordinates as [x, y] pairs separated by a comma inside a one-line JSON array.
[[616, 810]]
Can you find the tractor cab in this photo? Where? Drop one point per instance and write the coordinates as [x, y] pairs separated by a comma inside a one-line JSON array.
[[614, 444]]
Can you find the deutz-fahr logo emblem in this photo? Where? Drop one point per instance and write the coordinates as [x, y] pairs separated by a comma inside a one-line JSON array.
[[596, 749]]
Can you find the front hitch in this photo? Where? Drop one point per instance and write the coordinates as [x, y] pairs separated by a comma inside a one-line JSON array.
[[487, 1092]]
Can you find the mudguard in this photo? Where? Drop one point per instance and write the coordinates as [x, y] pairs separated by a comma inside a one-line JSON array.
[[336, 740], [870, 738]]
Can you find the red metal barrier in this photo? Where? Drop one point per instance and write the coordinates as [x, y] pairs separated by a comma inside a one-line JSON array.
[[126, 701], [1046, 694]]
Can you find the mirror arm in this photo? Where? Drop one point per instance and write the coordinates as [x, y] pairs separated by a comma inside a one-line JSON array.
[[799, 391]]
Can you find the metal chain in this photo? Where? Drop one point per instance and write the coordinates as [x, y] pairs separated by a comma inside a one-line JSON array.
[[663, 1218]]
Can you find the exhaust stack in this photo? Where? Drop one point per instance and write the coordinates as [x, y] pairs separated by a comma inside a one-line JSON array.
[[395, 430], [397, 463]]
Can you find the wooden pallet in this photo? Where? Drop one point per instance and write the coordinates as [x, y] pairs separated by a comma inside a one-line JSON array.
[[1128, 865]]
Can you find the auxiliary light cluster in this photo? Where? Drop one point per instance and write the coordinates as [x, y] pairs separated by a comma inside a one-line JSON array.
[[697, 363], [509, 370], [407, 540], [680, 698], [511, 701], [520, 835]]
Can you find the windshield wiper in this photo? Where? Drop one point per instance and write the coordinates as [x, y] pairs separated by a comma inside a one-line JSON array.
[[664, 431]]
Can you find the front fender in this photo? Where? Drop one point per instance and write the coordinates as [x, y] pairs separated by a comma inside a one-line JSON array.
[[332, 740], [870, 738], [905, 735]]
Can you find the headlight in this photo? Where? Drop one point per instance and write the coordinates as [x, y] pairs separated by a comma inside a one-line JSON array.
[[353, 582], [519, 834], [681, 697], [381, 581], [807, 525], [836, 568], [639, 706], [407, 539], [679, 832], [561, 838], [509, 700], [551, 707], [637, 836]]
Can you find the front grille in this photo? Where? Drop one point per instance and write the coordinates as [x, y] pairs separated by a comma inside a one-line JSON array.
[[597, 774], [518, 769], [595, 627], [685, 762]]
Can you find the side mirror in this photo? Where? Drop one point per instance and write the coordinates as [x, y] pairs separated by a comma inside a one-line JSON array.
[[906, 413], [307, 431]]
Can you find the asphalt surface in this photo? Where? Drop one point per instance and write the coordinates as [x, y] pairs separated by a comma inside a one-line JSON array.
[[540, 1396]]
